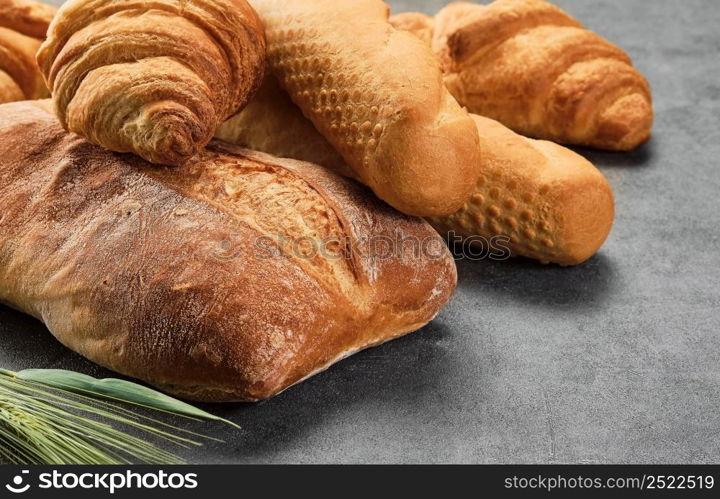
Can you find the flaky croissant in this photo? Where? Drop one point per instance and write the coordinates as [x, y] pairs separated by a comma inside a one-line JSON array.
[[23, 24], [152, 77], [531, 66], [547, 202]]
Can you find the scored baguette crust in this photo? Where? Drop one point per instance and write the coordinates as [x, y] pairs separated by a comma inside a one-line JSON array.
[[549, 202], [23, 24], [154, 78], [376, 94], [534, 68], [198, 279]]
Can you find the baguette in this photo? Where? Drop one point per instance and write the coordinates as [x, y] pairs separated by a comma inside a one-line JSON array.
[[376, 94], [550, 203], [534, 68], [229, 278], [155, 78], [23, 24]]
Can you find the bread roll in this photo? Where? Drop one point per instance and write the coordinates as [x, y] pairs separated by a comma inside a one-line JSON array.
[[155, 78], [534, 68], [229, 278], [549, 203], [376, 94], [23, 24]]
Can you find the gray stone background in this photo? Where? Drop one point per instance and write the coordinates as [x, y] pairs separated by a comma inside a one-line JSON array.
[[615, 361]]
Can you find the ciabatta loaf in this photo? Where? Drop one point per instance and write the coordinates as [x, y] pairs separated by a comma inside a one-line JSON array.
[[231, 277]]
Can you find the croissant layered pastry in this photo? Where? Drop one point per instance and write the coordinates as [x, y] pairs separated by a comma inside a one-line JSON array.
[[154, 78], [377, 95], [547, 202], [23, 24], [534, 68]]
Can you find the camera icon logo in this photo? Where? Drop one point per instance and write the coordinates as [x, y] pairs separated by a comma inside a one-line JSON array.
[[17, 487]]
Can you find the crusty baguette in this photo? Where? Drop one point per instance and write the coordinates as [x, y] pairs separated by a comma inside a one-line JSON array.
[[376, 94], [23, 24], [534, 68], [204, 280], [152, 77], [549, 202], [552, 204]]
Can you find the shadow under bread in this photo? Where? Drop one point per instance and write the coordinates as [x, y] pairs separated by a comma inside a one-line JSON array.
[[584, 287], [409, 372], [640, 157]]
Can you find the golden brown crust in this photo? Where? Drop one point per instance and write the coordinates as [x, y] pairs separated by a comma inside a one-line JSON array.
[[551, 204], [531, 66], [256, 128], [23, 24], [188, 277], [376, 94], [421, 25], [28, 17], [152, 77]]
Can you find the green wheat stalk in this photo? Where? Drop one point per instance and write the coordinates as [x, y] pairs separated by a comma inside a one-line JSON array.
[[61, 417]]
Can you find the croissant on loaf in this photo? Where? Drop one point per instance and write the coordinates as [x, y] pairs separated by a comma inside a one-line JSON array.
[[550, 203], [376, 94], [534, 68], [23, 24], [228, 278], [152, 77]]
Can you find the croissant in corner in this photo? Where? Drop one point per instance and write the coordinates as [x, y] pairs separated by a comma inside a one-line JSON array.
[[531, 66], [152, 77], [23, 24]]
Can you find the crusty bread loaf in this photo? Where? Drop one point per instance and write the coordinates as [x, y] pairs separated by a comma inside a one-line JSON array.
[[550, 203], [207, 280], [531, 66], [271, 118], [23, 24], [376, 94], [152, 77]]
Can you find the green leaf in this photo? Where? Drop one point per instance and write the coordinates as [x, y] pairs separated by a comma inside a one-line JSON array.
[[43, 424], [115, 389]]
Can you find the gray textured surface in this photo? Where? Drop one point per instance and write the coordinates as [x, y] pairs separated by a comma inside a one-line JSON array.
[[614, 361]]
